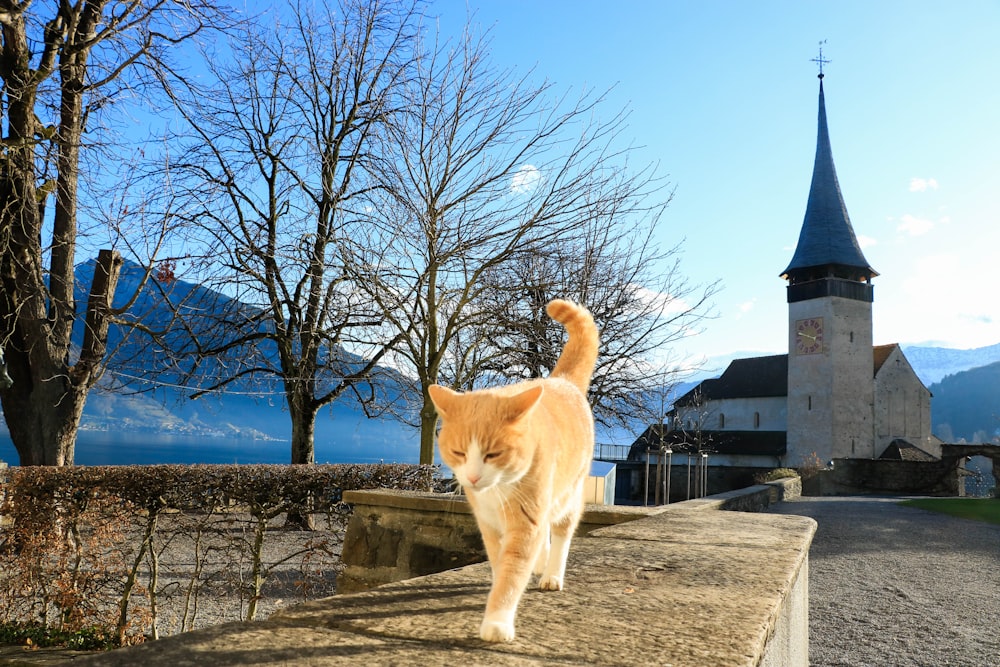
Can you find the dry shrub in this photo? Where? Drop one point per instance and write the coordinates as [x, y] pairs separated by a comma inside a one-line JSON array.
[[811, 466], [80, 547], [772, 475]]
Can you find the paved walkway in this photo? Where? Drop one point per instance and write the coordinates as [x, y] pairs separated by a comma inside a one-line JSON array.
[[896, 586]]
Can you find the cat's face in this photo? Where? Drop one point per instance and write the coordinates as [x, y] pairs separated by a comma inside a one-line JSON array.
[[482, 438], [479, 465]]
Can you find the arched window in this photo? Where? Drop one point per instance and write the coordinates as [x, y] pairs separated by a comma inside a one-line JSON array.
[[756, 420], [722, 420]]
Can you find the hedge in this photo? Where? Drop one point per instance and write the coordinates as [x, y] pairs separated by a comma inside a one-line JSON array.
[[80, 546]]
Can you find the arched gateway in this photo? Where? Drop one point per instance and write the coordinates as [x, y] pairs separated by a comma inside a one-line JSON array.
[[955, 453]]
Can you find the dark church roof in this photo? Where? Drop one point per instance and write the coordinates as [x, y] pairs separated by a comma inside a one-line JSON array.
[[760, 377], [756, 377], [827, 238]]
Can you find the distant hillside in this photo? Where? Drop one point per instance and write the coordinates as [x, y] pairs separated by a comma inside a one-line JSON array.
[[242, 410], [966, 405], [934, 363]]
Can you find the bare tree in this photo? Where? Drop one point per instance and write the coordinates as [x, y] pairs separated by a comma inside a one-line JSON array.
[[61, 64], [278, 152], [640, 299], [481, 170]]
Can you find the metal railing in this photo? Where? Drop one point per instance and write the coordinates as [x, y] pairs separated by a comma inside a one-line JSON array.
[[608, 452]]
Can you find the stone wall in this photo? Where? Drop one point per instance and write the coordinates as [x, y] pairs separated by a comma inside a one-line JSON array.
[[883, 476], [397, 535], [677, 587], [721, 479]]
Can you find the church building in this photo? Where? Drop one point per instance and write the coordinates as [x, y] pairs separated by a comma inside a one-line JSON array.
[[835, 394]]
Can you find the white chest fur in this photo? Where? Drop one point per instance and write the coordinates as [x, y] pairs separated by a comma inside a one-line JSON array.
[[492, 507]]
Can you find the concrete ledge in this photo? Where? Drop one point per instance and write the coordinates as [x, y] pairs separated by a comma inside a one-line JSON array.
[[396, 535], [681, 587], [751, 499], [701, 589]]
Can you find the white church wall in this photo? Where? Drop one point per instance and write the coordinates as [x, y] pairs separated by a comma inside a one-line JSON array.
[[902, 405], [768, 413]]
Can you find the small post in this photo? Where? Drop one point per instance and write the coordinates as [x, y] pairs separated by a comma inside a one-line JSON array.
[[645, 483], [670, 456]]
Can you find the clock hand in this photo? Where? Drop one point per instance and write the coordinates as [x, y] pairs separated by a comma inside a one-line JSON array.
[[805, 335]]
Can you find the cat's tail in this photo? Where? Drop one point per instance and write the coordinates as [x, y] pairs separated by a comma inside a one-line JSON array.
[[579, 356]]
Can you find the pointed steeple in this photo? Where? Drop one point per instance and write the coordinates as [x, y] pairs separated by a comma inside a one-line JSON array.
[[827, 246]]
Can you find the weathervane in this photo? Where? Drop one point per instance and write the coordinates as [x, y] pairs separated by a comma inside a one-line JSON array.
[[820, 60]]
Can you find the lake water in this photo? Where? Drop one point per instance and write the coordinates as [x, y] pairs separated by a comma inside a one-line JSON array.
[[102, 448]]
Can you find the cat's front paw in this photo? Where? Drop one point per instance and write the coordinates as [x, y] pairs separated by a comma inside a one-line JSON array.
[[550, 583], [496, 631]]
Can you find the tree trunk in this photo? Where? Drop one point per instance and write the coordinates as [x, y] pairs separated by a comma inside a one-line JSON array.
[[303, 432], [428, 428], [43, 423], [303, 415], [37, 307], [43, 407]]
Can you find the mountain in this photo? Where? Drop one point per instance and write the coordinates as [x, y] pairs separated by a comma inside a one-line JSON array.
[[124, 402], [966, 405], [934, 363], [127, 399]]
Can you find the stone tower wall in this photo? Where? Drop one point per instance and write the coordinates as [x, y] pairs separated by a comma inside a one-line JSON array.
[[831, 393]]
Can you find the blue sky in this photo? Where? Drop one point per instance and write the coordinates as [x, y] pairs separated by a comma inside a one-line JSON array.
[[724, 97]]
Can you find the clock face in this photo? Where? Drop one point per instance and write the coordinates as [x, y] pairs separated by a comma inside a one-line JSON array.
[[809, 335]]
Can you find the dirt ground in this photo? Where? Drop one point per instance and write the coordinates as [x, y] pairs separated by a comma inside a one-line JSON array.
[[898, 586]]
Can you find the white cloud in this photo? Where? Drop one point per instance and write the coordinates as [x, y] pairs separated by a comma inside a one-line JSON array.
[[866, 241], [525, 179], [746, 307], [665, 304], [923, 184], [914, 226]]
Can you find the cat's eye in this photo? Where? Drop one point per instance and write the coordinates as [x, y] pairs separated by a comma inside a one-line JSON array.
[[490, 456], [458, 454]]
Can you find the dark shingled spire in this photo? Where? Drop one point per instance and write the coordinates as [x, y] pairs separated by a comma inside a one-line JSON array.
[[827, 244]]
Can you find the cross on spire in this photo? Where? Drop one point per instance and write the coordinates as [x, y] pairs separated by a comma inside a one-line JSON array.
[[820, 60]]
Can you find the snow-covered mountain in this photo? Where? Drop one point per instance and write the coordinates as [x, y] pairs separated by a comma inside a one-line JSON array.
[[243, 411], [932, 364], [235, 414]]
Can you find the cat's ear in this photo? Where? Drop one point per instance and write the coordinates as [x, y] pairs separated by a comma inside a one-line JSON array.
[[518, 405], [442, 398]]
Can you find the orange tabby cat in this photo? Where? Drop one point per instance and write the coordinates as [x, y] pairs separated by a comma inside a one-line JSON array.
[[522, 453]]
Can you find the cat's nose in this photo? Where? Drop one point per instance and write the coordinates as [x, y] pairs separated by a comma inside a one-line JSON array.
[[474, 479]]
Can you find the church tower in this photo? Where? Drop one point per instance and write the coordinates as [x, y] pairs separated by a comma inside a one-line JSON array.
[[830, 357]]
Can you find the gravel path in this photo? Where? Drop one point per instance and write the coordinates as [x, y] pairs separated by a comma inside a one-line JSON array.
[[896, 586]]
